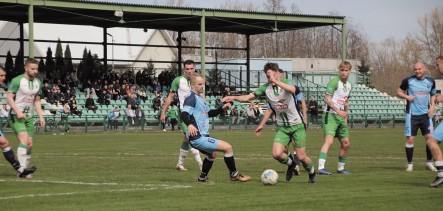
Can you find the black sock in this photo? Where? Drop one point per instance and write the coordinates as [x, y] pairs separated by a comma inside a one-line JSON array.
[[409, 153], [10, 157], [428, 154], [207, 165], [230, 163], [295, 159]]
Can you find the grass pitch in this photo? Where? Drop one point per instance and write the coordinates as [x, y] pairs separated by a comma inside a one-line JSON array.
[[135, 171]]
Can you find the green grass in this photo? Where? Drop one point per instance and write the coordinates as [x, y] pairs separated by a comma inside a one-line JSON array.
[[135, 171]]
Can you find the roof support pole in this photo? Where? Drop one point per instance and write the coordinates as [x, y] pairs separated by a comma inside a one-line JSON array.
[[31, 29], [22, 41], [203, 45], [343, 40], [105, 48], [248, 62], [179, 52]]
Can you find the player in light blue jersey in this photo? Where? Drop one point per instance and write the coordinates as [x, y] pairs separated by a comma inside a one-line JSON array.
[[195, 115], [437, 137], [419, 92]]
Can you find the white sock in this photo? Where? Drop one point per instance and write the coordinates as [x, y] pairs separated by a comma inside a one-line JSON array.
[[341, 166], [439, 163], [182, 156], [6, 149], [22, 158], [197, 157], [321, 163]]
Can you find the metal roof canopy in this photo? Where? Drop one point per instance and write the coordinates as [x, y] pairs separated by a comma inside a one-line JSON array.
[[179, 19]]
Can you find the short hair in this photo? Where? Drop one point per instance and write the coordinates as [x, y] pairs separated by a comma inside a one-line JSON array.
[[188, 62], [280, 70], [194, 77], [271, 66], [345, 64], [31, 61], [439, 58]]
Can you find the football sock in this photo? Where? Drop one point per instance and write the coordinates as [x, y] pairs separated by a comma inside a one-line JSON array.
[[28, 157], [428, 154], [439, 166], [295, 158], [182, 156], [10, 157], [341, 163], [309, 168], [207, 165], [322, 160], [287, 161], [230, 163], [21, 156], [409, 152], [197, 157]]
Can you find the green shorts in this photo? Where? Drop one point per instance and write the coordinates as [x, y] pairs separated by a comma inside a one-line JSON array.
[[297, 133], [335, 125], [22, 125]]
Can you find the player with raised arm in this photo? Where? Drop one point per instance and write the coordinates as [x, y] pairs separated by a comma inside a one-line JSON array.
[[195, 115], [280, 94]]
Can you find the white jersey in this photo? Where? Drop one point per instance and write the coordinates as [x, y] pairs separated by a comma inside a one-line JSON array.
[[283, 104], [182, 87], [340, 93], [25, 93]]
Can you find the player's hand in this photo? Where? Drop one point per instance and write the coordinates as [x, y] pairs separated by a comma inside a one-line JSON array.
[[42, 122], [21, 115], [162, 117], [410, 98], [258, 130], [431, 112], [228, 99], [343, 114], [227, 106], [192, 131]]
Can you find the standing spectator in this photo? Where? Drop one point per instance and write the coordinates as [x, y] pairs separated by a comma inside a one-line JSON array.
[[172, 115], [313, 110], [234, 115], [419, 92], [90, 104], [250, 113], [139, 115], [131, 106]]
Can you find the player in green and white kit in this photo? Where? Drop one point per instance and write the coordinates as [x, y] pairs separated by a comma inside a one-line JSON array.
[[281, 96], [335, 118], [23, 95], [182, 87]]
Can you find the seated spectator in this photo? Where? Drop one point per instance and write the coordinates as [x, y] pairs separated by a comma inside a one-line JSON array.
[[141, 93], [158, 88], [45, 90], [251, 114], [90, 104], [104, 98], [74, 108], [113, 117], [66, 109], [156, 103], [4, 113]]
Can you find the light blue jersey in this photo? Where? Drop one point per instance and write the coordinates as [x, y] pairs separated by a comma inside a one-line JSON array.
[[422, 90], [197, 109]]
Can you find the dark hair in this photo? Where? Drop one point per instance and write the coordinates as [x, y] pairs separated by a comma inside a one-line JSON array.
[[188, 62], [440, 58], [271, 66], [280, 70], [2, 68]]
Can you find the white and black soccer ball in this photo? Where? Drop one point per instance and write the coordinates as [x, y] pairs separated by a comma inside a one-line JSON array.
[[269, 177]]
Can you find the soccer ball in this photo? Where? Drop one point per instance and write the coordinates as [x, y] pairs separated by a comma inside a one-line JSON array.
[[269, 177]]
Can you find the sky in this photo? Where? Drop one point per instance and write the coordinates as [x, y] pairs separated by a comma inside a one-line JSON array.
[[379, 19]]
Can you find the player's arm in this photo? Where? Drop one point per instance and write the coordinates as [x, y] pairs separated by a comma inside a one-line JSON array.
[[304, 109], [165, 107], [287, 87], [38, 109], [432, 106], [10, 100], [330, 103], [217, 111], [241, 98], [262, 124]]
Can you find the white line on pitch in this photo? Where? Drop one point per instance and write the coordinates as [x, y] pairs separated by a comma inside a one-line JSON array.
[[95, 184]]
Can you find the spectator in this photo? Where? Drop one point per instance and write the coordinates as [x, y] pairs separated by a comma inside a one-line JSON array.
[[4, 113], [87, 87], [172, 116], [139, 115], [156, 103], [208, 89], [258, 113], [313, 110], [113, 117], [218, 102], [158, 88], [90, 104], [74, 107], [104, 98], [141, 93], [45, 90], [131, 106], [234, 115], [251, 114]]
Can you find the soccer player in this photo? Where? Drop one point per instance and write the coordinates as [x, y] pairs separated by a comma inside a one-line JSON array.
[[335, 116], [420, 97], [5, 146], [195, 115], [301, 106], [180, 85], [24, 94], [437, 137], [280, 94]]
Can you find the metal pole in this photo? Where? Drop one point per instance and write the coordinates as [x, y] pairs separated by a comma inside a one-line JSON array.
[[203, 44], [31, 29], [343, 40], [248, 63]]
